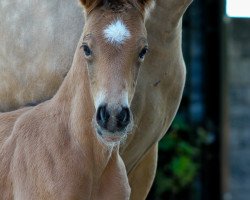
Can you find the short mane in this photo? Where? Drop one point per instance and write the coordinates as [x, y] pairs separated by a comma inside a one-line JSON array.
[[117, 6], [120, 5]]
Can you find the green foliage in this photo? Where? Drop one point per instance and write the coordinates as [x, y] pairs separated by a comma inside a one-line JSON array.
[[179, 158]]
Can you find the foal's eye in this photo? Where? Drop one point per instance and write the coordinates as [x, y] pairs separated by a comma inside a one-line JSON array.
[[143, 53], [86, 50]]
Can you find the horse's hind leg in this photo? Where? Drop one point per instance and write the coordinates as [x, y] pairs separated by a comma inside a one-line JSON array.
[[142, 176]]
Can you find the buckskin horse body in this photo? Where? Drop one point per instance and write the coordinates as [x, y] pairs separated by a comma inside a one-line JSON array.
[[159, 85]]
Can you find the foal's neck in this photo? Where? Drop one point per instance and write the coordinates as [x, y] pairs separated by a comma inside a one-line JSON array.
[[74, 97]]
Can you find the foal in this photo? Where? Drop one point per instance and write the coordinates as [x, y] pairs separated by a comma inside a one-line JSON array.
[[67, 147]]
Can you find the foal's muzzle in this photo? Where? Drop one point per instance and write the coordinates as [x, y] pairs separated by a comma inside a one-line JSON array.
[[113, 119]]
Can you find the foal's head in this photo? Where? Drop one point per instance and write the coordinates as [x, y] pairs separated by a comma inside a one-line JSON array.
[[114, 46]]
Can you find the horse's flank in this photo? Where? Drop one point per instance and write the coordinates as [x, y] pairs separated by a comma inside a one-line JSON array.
[[37, 44]]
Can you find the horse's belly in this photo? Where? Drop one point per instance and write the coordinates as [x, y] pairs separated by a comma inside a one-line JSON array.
[[37, 44]]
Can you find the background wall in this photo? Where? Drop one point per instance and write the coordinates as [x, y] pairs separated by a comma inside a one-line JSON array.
[[238, 65]]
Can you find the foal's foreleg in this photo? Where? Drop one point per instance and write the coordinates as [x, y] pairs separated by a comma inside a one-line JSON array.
[[114, 183], [142, 176]]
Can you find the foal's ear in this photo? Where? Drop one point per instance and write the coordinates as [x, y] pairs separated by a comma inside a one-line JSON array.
[[145, 5], [90, 4]]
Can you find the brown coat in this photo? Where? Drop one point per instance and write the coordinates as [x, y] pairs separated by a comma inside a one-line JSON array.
[[157, 96]]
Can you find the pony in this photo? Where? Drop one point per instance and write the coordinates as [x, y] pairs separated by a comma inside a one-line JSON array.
[[153, 97]]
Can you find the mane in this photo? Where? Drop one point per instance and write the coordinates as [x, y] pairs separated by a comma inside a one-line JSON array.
[[122, 5], [117, 5]]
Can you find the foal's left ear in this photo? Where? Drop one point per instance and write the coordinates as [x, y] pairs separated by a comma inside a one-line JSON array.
[[145, 5]]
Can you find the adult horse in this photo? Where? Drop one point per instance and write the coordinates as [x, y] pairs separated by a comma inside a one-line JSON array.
[[37, 44]]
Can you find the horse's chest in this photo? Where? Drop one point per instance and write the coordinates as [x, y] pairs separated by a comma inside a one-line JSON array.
[[42, 174], [70, 185]]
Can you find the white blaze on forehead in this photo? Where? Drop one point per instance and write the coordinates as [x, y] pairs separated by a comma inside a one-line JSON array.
[[99, 99], [116, 32], [103, 97]]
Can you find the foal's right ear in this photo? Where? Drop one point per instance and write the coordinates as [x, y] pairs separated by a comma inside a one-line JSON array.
[[90, 4]]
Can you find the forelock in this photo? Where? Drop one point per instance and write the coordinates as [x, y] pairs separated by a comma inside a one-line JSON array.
[[117, 5]]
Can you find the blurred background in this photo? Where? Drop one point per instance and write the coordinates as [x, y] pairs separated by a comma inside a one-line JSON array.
[[206, 153]]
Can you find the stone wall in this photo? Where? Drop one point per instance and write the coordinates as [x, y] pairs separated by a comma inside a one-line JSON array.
[[238, 60]]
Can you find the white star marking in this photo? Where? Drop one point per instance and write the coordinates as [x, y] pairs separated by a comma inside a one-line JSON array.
[[116, 33]]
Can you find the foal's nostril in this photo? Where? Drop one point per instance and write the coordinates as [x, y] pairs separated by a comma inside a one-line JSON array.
[[114, 119], [123, 118], [102, 116]]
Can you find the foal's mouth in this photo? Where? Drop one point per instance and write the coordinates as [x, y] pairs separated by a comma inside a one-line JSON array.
[[112, 138]]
